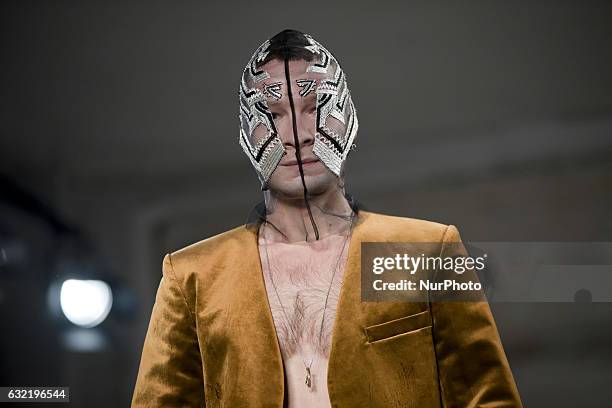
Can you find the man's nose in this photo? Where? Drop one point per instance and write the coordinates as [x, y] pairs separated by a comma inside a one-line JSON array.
[[304, 126]]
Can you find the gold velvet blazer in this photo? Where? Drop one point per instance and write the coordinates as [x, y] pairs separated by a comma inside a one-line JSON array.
[[211, 340]]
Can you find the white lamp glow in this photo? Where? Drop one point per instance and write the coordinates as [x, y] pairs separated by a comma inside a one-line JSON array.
[[86, 303]]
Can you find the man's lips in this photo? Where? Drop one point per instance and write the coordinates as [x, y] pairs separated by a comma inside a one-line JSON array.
[[305, 160]]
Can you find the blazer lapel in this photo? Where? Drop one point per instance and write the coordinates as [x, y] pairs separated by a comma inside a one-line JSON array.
[[348, 299]]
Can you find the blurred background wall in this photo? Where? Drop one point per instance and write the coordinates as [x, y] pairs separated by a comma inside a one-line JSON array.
[[118, 143]]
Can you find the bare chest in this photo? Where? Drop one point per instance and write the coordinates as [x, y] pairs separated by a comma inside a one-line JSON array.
[[303, 287]]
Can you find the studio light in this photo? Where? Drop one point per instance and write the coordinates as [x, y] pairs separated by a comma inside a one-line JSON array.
[[86, 303]]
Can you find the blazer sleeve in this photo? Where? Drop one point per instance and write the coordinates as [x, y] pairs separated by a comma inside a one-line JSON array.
[[472, 367], [170, 372]]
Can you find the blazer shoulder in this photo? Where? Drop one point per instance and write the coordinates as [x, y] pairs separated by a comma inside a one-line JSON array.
[[394, 227], [206, 250]]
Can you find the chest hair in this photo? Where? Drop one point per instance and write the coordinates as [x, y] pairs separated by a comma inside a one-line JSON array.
[[303, 278]]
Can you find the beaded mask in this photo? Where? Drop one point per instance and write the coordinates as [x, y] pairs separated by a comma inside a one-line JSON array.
[[335, 120]]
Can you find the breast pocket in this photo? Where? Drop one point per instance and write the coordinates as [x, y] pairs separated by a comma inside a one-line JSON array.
[[403, 325]]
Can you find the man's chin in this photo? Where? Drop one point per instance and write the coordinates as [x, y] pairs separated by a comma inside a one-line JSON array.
[[294, 189]]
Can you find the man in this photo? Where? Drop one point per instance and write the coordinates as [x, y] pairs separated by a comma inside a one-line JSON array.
[[269, 314]]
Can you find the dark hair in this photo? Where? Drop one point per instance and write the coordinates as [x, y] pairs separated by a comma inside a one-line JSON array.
[[258, 213], [289, 44]]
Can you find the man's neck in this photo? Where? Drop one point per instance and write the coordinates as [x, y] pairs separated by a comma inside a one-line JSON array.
[[293, 221]]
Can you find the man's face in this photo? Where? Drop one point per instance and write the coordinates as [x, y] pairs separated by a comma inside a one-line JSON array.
[[286, 181], [318, 120]]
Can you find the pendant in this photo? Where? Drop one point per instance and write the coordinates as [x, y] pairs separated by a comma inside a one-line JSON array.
[[308, 378]]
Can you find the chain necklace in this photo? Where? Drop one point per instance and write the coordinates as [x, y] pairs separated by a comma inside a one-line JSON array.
[[308, 378]]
